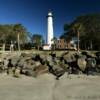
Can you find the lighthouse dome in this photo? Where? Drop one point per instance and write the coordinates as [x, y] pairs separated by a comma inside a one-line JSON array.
[[50, 13]]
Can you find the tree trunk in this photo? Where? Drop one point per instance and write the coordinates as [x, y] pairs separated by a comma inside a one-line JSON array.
[[78, 46], [3, 48], [18, 42], [91, 45], [38, 47]]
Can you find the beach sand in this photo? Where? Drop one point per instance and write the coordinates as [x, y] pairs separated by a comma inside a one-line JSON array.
[[45, 87]]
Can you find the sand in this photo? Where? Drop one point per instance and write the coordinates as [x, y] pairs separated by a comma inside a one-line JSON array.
[[45, 87]]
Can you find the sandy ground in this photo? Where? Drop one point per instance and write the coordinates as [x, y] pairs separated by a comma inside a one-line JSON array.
[[45, 87]]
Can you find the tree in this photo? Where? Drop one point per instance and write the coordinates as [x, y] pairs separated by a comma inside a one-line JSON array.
[[5, 34], [21, 33], [5, 30], [37, 40], [68, 34], [8, 33], [78, 28], [30, 35], [54, 40], [87, 29]]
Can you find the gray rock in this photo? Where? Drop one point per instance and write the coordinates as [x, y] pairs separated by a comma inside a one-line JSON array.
[[97, 54], [1, 67], [33, 56], [5, 63], [49, 58], [65, 53], [91, 54], [10, 71], [91, 62], [37, 63], [82, 63], [69, 58], [41, 69], [28, 67], [20, 62], [43, 56], [28, 72], [15, 60], [17, 72]]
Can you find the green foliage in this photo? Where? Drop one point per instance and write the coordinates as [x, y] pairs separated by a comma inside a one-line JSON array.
[[37, 40], [9, 33], [21, 30], [53, 46], [26, 46], [89, 28]]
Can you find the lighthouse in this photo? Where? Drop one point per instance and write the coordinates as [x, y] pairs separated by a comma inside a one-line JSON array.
[[50, 29]]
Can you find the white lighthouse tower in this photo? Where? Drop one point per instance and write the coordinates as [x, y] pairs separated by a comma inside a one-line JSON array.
[[50, 29]]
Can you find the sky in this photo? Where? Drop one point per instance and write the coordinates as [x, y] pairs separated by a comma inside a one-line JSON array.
[[32, 13]]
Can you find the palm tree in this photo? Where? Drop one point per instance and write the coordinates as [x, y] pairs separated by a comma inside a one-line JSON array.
[[21, 32], [37, 40], [68, 34], [78, 28]]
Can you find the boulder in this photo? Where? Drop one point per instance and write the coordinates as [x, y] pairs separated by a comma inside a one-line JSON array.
[[49, 58], [5, 63], [15, 60], [37, 57], [91, 66], [91, 62], [1, 67], [98, 68], [69, 58], [17, 72], [20, 62], [97, 54], [43, 59], [41, 69], [28, 68], [91, 55], [10, 71], [58, 72], [65, 53], [57, 69], [98, 61], [82, 63], [34, 56], [28, 72], [53, 54], [84, 53]]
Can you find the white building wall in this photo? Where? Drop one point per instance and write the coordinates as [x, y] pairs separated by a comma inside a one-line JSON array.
[[49, 29]]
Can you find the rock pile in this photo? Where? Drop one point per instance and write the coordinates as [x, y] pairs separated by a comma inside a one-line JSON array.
[[37, 64]]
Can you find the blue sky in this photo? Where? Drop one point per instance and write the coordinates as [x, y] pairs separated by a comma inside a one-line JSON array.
[[32, 13]]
